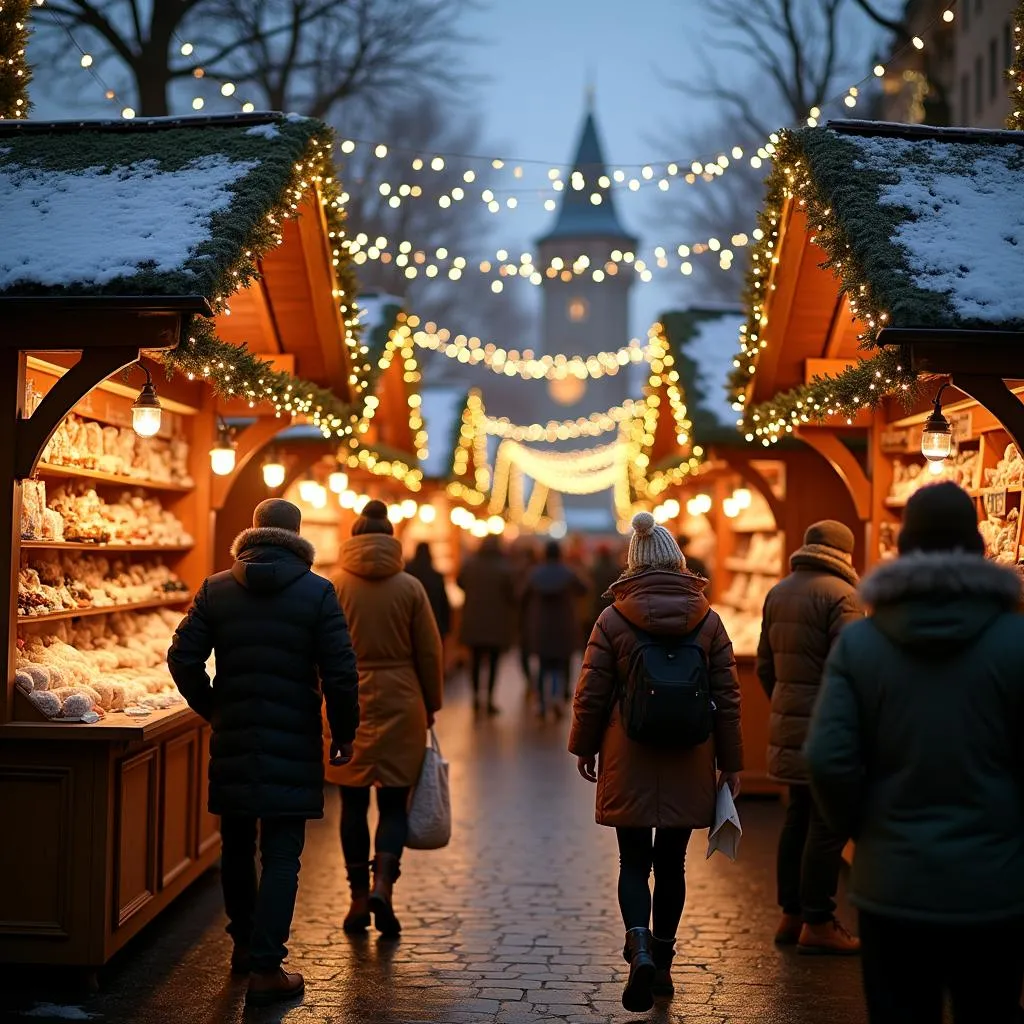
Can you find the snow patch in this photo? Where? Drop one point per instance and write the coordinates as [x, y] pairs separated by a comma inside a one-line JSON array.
[[267, 131], [54, 1012], [965, 238], [95, 225], [712, 348]]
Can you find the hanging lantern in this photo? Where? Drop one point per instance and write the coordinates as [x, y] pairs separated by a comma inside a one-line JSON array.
[[338, 481], [146, 411], [308, 490], [273, 471], [937, 436], [222, 454]]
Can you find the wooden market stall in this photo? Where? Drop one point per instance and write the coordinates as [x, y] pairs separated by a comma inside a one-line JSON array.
[[121, 241]]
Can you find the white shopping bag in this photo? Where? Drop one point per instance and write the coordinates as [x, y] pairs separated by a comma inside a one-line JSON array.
[[724, 835], [430, 809]]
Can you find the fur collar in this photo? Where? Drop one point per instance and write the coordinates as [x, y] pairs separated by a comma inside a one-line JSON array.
[[272, 536], [942, 575], [823, 559]]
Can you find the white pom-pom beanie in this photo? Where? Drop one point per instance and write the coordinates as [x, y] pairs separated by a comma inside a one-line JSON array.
[[652, 547]]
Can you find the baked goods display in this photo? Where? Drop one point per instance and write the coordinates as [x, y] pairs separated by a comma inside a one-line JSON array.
[[1000, 536], [762, 554], [49, 583], [1008, 472], [909, 477], [109, 663], [74, 511], [743, 627], [118, 451]]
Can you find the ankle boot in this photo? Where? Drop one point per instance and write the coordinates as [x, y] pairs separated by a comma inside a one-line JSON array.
[[636, 996], [663, 951], [385, 873], [266, 987], [358, 918]]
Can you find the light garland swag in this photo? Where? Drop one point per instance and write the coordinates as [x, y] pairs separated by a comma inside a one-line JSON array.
[[15, 74], [1015, 73]]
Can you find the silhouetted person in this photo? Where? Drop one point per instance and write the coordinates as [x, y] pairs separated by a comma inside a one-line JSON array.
[[604, 571], [693, 563], [421, 567]]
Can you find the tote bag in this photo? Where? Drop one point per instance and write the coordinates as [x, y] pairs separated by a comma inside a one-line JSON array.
[[430, 809]]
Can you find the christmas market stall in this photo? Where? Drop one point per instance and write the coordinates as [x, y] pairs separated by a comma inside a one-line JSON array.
[[138, 258], [917, 297]]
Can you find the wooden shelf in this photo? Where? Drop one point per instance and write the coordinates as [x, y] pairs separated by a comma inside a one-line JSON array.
[[135, 606], [86, 547], [980, 492], [115, 726], [79, 473], [740, 565]]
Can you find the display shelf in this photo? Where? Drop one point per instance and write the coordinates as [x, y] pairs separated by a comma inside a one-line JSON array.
[[114, 726], [741, 565], [80, 473], [81, 613], [89, 546]]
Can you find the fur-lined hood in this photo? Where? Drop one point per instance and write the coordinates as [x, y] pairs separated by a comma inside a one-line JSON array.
[[939, 599], [268, 558], [821, 558]]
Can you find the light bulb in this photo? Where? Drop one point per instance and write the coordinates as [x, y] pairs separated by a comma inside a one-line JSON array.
[[671, 507], [730, 508], [395, 513], [937, 437], [408, 508], [308, 490], [347, 499], [479, 528], [937, 468], [337, 481], [427, 513], [496, 525], [273, 473], [319, 496], [742, 497], [222, 460], [146, 412]]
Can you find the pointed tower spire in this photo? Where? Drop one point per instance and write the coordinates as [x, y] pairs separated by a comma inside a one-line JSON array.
[[587, 208]]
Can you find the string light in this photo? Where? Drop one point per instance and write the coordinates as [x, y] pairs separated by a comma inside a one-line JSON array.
[[561, 430]]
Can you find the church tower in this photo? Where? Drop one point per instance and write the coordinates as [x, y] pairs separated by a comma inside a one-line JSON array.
[[582, 316]]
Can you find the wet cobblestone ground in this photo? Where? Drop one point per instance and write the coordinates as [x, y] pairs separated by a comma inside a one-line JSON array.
[[514, 923]]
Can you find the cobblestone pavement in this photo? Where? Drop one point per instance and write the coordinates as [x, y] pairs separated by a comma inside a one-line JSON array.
[[514, 923]]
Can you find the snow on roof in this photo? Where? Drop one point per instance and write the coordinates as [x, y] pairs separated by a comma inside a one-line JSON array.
[[162, 206], [934, 218], [441, 409]]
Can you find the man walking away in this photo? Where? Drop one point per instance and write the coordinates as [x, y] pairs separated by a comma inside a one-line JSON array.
[[421, 567], [280, 640], [915, 749], [803, 615]]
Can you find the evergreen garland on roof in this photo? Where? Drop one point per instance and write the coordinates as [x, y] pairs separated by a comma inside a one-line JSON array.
[[15, 74], [1015, 73]]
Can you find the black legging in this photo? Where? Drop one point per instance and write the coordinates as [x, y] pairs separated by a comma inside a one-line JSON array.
[[392, 823], [667, 855], [491, 654]]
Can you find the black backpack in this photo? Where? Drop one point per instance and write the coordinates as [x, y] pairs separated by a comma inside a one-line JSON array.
[[666, 701]]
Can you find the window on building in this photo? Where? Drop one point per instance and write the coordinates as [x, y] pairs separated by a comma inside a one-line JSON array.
[[578, 310], [965, 99], [979, 80]]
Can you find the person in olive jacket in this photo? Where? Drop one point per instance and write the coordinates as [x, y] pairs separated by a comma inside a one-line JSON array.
[[652, 796], [280, 642], [803, 615], [916, 750]]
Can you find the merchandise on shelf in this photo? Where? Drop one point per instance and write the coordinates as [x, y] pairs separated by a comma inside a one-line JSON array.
[[907, 478], [1008, 472], [743, 627], [113, 662], [118, 451], [888, 535], [1000, 536], [763, 554], [51, 583], [137, 518]]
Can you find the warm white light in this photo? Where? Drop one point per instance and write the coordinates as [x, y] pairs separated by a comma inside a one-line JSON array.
[[948, 15], [918, 42], [936, 444], [395, 513], [496, 525], [671, 507], [86, 60], [660, 515], [702, 504], [186, 49], [337, 481], [308, 489], [557, 530], [362, 501], [198, 103], [408, 508], [146, 420], [427, 513], [319, 498], [479, 528], [879, 70], [347, 499], [227, 89], [248, 108], [742, 497], [937, 468], [128, 113], [730, 508], [222, 460], [273, 474]]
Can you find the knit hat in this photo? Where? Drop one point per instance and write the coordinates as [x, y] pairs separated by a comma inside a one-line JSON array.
[[830, 534], [652, 546], [373, 519], [940, 517], [278, 514]]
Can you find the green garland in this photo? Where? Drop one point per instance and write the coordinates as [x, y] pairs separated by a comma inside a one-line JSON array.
[[1015, 73], [15, 74]]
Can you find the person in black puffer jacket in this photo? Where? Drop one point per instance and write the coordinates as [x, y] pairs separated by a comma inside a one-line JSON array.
[[803, 615], [280, 642]]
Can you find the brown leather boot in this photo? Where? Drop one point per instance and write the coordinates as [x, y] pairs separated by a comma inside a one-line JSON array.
[[828, 939], [385, 873], [266, 987], [664, 952], [357, 920], [788, 932]]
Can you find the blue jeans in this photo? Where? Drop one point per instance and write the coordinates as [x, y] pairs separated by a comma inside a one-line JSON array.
[[555, 670]]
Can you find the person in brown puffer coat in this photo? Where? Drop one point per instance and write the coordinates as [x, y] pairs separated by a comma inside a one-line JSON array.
[[401, 680], [803, 616], [642, 788]]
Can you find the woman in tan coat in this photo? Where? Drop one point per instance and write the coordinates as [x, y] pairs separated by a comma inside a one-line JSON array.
[[401, 672], [641, 788]]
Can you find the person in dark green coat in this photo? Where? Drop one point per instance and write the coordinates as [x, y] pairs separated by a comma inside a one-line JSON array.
[[916, 749]]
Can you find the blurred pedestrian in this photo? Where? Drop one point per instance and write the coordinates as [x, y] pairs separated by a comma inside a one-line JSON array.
[[696, 565], [280, 641], [604, 571], [488, 615], [549, 607], [664, 779], [421, 567], [915, 749], [401, 679], [803, 616], [524, 560]]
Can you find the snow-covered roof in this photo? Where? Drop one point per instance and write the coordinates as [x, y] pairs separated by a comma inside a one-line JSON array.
[[704, 341], [441, 409], [934, 218], [155, 207]]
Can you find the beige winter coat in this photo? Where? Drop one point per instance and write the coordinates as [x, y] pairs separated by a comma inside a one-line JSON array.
[[400, 660]]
